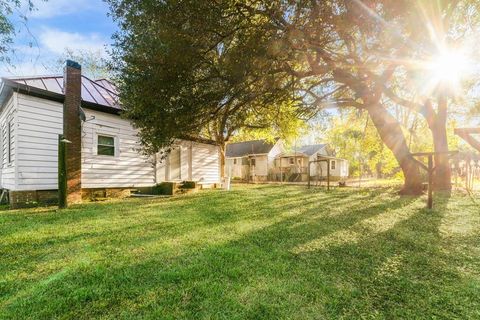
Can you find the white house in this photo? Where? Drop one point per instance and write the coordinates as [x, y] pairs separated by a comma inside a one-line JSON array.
[[313, 159], [32, 117], [252, 160]]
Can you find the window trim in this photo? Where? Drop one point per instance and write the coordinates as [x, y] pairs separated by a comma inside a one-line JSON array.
[[115, 145], [333, 164]]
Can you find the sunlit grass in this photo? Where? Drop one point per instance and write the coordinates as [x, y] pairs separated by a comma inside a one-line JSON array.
[[257, 252]]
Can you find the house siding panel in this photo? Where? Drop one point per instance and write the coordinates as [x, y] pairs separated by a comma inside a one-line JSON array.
[[128, 168], [38, 149], [8, 116], [39, 124], [205, 163]]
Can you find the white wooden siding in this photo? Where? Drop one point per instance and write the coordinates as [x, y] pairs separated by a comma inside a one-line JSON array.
[[128, 168], [261, 166], [205, 163], [274, 152], [36, 124], [40, 121], [198, 162], [8, 117], [320, 168], [39, 124], [232, 169]]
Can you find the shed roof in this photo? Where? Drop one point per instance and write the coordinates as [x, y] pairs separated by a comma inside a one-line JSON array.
[[101, 92], [311, 149], [241, 149]]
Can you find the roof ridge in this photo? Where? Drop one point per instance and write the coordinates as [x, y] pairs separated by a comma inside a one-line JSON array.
[[33, 77], [248, 141], [100, 85]]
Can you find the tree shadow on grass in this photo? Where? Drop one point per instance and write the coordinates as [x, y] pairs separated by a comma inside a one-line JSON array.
[[253, 275]]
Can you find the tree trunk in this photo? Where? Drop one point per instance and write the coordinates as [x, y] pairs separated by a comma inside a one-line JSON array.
[[223, 149], [392, 136], [442, 179]]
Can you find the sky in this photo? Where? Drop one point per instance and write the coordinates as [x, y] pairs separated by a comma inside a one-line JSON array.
[[54, 26]]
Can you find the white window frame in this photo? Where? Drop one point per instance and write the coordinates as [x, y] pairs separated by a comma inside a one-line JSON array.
[[333, 164], [115, 145]]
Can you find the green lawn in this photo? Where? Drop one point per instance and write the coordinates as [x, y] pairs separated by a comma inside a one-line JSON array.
[[262, 252]]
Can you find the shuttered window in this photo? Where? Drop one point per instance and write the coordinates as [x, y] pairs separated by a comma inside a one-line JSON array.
[[106, 146]]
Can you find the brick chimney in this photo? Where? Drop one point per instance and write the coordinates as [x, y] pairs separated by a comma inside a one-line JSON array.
[[72, 129]]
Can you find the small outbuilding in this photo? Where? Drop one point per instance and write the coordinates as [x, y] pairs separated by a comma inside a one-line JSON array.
[[252, 160], [296, 165]]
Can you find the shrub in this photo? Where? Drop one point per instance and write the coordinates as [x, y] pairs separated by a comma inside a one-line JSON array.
[[189, 185]]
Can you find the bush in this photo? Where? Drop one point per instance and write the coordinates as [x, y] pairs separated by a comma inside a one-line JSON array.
[[189, 185]]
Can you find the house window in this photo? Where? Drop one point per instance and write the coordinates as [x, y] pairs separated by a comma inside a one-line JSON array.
[[291, 161], [332, 165], [9, 142], [234, 161], [106, 146], [252, 162]]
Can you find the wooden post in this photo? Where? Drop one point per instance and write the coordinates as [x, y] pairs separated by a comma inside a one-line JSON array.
[[328, 174], [308, 173], [430, 181], [430, 169], [62, 173]]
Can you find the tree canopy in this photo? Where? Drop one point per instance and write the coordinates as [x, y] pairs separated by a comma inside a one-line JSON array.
[[371, 55], [94, 65], [7, 29]]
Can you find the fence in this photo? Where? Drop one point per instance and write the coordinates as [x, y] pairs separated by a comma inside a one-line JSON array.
[[288, 174]]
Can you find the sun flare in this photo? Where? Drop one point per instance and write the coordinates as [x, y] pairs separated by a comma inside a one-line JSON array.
[[448, 69], [450, 66], [445, 72]]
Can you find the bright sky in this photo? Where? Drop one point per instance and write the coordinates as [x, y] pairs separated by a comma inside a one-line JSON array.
[[55, 26]]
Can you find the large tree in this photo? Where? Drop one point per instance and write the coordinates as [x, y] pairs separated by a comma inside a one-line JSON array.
[[360, 54], [253, 121], [183, 70]]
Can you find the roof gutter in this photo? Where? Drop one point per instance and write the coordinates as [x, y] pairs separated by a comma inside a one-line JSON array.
[[248, 155], [4, 93]]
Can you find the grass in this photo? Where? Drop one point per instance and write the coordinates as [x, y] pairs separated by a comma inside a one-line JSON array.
[[261, 252]]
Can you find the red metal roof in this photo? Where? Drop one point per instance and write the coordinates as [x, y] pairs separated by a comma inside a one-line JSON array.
[[101, 92]]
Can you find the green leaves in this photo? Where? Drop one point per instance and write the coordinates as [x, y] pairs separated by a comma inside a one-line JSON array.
[[7, 31], [194, 67]]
